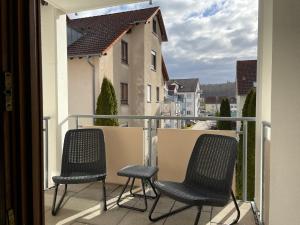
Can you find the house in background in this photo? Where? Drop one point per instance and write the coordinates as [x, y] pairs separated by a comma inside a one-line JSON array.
[[245, 81], [213, 104], [125, 47], [188, 93]]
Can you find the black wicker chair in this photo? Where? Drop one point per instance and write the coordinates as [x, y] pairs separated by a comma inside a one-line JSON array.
[[208, 178], [83, 161]]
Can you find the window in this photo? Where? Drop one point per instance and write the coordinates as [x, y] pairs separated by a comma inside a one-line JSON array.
[[188, 112], [189, 96], [153, 60], [124, 94], [124, 51], [157, 94], [148, 93], [154, 27]]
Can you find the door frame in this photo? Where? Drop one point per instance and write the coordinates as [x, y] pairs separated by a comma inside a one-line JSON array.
[[21, 156]]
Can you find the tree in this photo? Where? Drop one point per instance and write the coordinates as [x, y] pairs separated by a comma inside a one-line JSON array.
[[249, 110], [224, 112], [107, 104]]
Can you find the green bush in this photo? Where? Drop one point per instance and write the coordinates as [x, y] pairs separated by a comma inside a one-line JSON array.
[[224, 112], [249, 110], [107, 104]]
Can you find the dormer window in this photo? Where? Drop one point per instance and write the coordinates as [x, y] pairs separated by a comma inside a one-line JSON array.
[[154, 27]]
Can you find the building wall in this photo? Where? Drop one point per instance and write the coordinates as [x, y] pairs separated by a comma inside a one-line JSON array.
[[212, 108], [278, 81], [154, 78], [138, 74], [55, 84], [131, 73]]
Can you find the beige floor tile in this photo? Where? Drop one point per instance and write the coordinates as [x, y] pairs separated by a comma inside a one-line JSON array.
[[139, 218], [83, 205], [164, 205], [187, 218], [110, 217]]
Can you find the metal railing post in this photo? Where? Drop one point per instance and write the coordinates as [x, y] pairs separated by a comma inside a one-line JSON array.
[[245, 163], [149, 163], [77, 122], [46, 150], [262, 179]]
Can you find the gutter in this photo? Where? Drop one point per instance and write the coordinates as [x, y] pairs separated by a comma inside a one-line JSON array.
[[93, 83]]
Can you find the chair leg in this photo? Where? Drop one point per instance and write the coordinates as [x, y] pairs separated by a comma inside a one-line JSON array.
[[131, 187], [154, 219], [135, 195], [198, 215], [142, 196], [56, 208], [153, 188], [123, 190], [104, 194], [237, 209]]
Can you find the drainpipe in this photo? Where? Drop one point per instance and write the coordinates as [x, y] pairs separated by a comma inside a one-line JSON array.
[[93, 82]]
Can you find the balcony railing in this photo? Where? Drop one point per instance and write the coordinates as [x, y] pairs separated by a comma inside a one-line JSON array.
[[46, 149], [150, 128], [151, 132]]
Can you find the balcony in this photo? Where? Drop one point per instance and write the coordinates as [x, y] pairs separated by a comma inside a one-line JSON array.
[[81, 206], [147, 145]]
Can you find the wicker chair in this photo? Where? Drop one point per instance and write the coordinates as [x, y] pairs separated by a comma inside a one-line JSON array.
[[208, 178], [83, 161]]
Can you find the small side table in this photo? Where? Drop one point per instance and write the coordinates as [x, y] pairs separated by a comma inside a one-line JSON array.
[[145, 173]]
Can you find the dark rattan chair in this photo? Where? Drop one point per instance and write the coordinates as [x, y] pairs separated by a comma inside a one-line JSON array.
[[208, 178], [83, 161]]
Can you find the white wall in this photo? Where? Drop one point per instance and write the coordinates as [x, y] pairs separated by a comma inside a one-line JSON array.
[[278, 101], [55, 83]]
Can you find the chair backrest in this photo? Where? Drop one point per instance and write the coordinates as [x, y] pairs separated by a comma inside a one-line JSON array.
[[212, 163], [83, 153]]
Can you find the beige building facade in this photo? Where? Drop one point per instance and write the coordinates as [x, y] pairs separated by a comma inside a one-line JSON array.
[[144, 81]]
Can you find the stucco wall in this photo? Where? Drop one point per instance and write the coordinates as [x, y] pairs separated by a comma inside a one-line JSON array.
[[54, 78], [153, 78], [278, 81]]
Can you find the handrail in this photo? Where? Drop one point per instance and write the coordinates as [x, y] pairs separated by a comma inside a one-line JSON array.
[[46, 150], [198, 118], [245, 121], [264, 125]]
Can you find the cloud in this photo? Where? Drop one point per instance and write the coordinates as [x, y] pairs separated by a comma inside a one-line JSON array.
[[206, 37]]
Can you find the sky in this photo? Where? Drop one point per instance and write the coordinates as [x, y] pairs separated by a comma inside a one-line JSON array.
[[206, 37]]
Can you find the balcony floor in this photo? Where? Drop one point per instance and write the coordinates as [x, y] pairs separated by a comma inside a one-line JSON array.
[[81, 206]]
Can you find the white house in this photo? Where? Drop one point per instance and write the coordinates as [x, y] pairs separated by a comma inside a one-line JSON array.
[[188, 92]]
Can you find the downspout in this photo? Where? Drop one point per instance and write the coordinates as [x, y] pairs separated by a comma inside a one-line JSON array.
[[93, 83]]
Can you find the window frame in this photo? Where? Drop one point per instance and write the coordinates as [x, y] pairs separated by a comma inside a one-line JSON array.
[[154, 26], [157, 94], [124, 52], [149, 93], [153, 60], [124, 93]]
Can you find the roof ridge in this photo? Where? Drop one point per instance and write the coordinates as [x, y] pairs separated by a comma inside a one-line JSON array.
[[116, 13]]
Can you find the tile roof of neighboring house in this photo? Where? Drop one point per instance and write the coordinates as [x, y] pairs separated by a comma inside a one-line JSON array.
[[185, 85], [245, 76], [100, 32], [218, 99]]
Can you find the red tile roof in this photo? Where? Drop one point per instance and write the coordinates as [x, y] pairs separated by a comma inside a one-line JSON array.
[[100, 32], [245, 76]]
